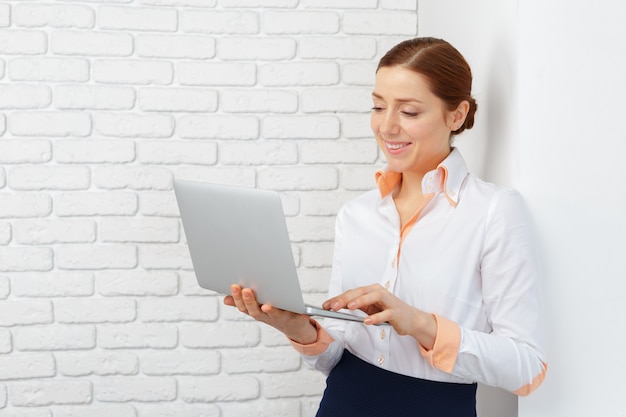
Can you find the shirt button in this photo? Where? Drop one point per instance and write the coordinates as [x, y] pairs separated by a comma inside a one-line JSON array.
[[394, 261], [382, 334], [387, 284], [381, 359]]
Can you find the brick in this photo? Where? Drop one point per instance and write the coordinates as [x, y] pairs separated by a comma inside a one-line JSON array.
[[54, 337], [95, 204], [49, 69], [125, 229], [137, 336], [258, 153], [260, 3], [399, 5], [56, 16], [300, 127], [178, 309], [24, 96], [187, 410], [134, 125], [259, 101], [158, 203], [159, 256], [358, 178], [52, 284], [96, 410], [44, 393], [91, 43], [117, 389], [6, 346], [175, 46], [98, 97], [283, 408], [314, 280], [311, 229], [339, 152], [379, 23], [80, 310], [189, 285], [256, 49], [359, 73], [177, 152], [218, 127], [23, 42], [184, 362], [219, 388], [335, 47], [136, 283], [340, 4], [216, 73], [317, 255], [15, 259], [219, 335], [2, 178], [25, 313], [324, 203], [50, 231], [340, 100], [299, 74], [5, 287], [5, 233], [139, 72], [22, 151], [137, 18], [49, 123], [294, 384], [76, 364], [49, 177], [94, 151], [192, 3], [133, 177], [274, 360], [5, 18], [177, 99], [298, 178], [24, 205], [356, 126], [26, 366], [3, 119], [96, 256], [219, 22], [296, 22]]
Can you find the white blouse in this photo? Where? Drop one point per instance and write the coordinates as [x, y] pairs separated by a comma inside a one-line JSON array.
[[467, 258]]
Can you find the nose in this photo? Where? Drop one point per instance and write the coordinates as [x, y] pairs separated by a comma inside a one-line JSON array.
[[388, 123]]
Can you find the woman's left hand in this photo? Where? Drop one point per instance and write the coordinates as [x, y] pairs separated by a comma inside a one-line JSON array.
[[382, 306]]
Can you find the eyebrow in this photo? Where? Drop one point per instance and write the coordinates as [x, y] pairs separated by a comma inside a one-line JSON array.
[[401, 100]]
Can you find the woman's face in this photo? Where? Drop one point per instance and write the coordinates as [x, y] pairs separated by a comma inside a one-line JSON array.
[[410, 123]]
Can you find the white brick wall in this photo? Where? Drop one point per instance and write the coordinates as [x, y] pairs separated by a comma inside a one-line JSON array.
[[102, 104]]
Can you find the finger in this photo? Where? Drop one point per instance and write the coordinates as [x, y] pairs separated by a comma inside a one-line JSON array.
[[252, 306], [229, 301], [342, 300], [235, 291]]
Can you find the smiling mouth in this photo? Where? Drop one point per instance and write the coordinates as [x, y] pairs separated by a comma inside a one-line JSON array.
[[396, 146]]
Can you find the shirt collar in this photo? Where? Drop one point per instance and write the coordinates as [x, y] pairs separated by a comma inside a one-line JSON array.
[[448, 177]]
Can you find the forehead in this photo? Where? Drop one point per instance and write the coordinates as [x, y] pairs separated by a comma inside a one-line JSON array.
[[399, 80]]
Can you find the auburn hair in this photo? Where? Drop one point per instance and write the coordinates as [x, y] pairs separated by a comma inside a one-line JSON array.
[[445, 69]]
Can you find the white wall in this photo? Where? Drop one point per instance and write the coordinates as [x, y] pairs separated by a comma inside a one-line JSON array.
[[103, 103], [556, 70]]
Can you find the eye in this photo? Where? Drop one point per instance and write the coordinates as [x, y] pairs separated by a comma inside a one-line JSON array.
[[410, 114], [377, 109]]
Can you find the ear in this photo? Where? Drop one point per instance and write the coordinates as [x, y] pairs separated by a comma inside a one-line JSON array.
[[457, 116]]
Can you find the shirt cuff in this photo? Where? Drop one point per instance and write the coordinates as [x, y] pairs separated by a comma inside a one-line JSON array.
[[323, 340], [446, 348]]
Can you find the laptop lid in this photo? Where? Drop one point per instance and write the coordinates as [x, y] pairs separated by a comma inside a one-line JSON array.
[[238, 235]]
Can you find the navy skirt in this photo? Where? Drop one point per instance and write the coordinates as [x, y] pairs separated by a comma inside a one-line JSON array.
[[357, 388]]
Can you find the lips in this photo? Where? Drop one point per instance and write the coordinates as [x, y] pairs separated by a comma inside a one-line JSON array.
[[396, 147]]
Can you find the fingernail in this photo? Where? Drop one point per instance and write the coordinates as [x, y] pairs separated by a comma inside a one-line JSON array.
[[336, 306], [352, 305]]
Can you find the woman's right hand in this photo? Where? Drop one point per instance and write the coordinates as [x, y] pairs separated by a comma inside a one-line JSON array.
[[297, 327]]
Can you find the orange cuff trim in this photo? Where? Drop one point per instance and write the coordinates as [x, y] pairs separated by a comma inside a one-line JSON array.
[[528, 388], [323, 340], [447, 342]]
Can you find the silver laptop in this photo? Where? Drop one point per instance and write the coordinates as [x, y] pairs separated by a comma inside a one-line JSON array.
[[238, 235]]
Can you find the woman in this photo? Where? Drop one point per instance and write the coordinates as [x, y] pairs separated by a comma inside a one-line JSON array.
[[439, 261]]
